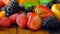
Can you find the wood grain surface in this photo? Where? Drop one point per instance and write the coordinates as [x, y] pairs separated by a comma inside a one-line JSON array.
[[18, 30]]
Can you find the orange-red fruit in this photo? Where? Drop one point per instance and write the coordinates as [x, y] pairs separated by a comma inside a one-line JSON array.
[[34, 21], [1, 5], [2, 14], [24, 1], [22, 20], [13, 18], [56, 10], [6, 2], [21, 1], [5, 22]]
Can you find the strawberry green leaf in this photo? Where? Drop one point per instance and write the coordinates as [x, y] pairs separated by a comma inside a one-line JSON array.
[[30, 4], [45, 1]]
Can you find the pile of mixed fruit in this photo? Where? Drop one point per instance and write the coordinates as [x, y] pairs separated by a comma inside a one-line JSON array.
[[32, 14]]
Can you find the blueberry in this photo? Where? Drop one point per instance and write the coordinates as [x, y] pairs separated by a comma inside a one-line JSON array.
[[51, 23]]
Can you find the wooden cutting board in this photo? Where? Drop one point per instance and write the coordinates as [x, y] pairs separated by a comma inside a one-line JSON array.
[[18, 30]]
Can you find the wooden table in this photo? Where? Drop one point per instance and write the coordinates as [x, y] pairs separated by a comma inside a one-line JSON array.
[[18, 30]]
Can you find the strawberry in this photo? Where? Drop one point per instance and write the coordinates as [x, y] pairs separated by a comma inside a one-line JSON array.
[[22, 20], [28, 14], [5, 22], [19, 12], [13, 18], [34, 21], [43, 11]]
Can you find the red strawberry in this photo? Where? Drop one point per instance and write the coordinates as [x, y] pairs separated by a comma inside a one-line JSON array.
[[20, 12], [5, 22], [28, 14], [22, 20], [43, 11], [13, 18], [34, 21]]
